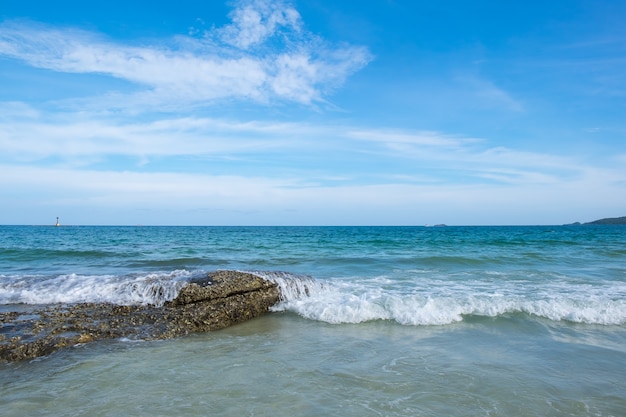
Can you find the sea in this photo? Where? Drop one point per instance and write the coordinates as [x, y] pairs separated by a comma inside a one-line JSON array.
[[374, 321]]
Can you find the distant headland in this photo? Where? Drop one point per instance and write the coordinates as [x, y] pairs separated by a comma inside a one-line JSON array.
[[608, 220]]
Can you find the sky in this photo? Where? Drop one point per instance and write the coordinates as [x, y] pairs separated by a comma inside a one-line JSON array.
[[312, 112]]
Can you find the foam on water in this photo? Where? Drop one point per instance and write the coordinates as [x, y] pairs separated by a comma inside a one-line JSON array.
[[434, 302], [292, 286], [419, 301], [153, 288]]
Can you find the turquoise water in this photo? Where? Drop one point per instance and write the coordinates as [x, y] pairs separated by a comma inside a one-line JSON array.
[[399, 321]]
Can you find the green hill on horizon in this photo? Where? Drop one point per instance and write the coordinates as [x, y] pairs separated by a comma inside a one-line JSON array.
[[610, 220]]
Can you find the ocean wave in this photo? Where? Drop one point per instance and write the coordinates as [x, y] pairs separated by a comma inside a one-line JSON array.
[[441, 303], [292, 286], [421, 301], [141, 289]]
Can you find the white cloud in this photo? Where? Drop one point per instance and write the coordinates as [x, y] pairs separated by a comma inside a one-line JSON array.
[[435, 173], [292, 79], [77, 139], [76, 136], [473, 156], [423, 138], [240, 66], [134, 186], [254, 21], [14, 110]]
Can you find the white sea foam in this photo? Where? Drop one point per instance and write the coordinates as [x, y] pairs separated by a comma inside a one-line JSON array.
[[292, 286], [144, 289], [417, 302], [433, 302]]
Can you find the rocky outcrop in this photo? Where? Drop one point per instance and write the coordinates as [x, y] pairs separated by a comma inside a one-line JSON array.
[[216, 301]]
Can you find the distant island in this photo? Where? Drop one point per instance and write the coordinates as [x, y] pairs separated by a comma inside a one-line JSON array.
[[611, 220]]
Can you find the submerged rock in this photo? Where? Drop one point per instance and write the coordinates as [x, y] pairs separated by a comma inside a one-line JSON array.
[[216, 301]]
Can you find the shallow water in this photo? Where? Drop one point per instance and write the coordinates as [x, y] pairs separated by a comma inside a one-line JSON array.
[[284, 365], [520, 321]]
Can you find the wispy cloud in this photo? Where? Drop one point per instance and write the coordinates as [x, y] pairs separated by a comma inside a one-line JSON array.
[[488, 93], [471, 159], [26, 135], [234, 62], [423, 138], [394, 155]]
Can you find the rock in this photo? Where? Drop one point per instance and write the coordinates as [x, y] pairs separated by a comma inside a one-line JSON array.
[[213, 302], [221, 284]]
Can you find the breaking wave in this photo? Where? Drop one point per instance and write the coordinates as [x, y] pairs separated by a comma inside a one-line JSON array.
[[153, 288], [433, 302], [420, 302]]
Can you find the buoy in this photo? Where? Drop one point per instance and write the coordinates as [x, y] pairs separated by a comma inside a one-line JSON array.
[[57, 224]]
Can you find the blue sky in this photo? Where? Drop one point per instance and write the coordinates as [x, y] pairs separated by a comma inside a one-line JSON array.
[[312, 112]]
